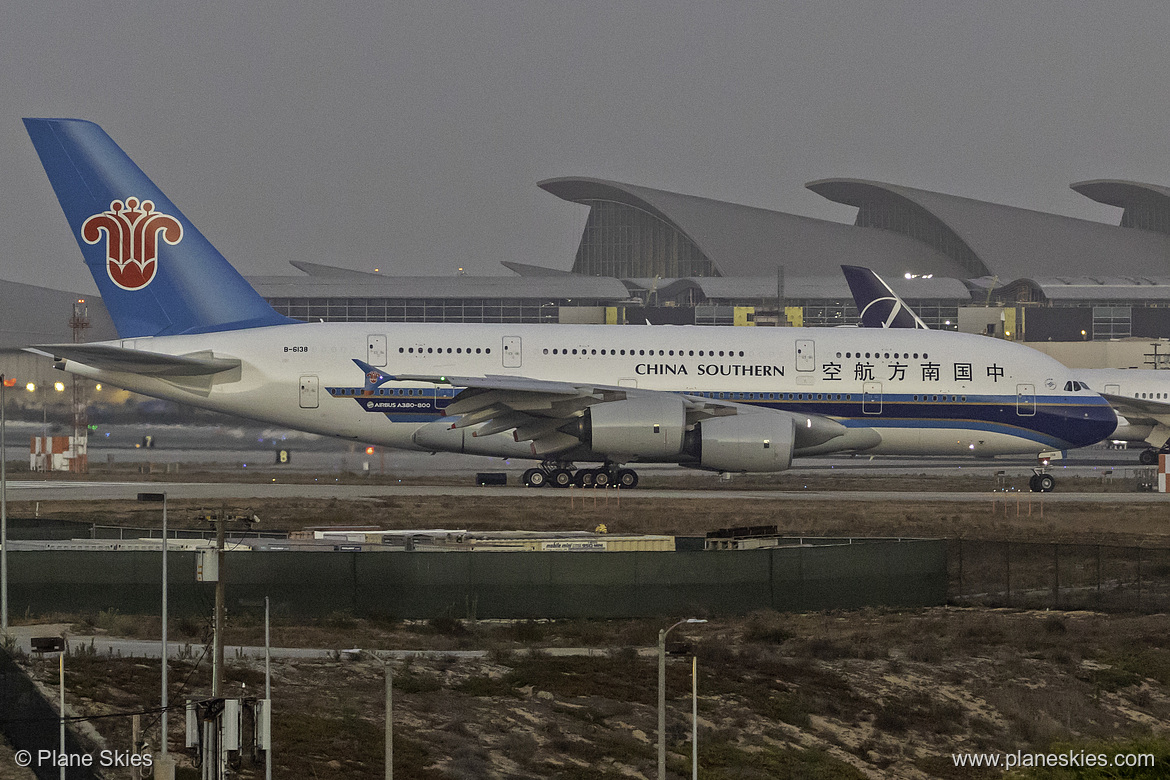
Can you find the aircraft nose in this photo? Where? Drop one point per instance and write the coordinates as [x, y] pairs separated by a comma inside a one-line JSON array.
[[1091, 422]]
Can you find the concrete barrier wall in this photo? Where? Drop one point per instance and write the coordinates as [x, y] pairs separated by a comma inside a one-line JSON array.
[[421, 585]]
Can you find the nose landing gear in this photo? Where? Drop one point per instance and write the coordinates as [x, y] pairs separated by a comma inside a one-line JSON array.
[[1041, 482], [1149, 457]]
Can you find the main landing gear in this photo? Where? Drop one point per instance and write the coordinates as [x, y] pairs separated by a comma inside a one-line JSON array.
[[1041, 482], [563, 475]]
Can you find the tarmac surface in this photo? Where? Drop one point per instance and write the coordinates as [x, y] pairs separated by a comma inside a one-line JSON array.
[[266, 480]]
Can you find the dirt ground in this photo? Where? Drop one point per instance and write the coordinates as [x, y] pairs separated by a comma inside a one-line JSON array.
[[1024, 517], [861, 694], [866, 694]]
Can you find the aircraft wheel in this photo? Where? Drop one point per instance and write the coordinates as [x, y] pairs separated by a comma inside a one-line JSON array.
[[535, 478], [1034, 483], [602, 478], [627, 478], [1148, 457], [585, 478], [1046, 483], [562, 478]]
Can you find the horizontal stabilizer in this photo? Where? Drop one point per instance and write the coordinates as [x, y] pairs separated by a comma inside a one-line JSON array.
[[136, 361]]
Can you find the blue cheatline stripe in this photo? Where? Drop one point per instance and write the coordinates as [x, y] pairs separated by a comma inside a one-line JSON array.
[[1049, 425]]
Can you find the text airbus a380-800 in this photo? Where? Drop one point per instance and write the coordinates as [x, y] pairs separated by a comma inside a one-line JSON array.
[[741, 400]]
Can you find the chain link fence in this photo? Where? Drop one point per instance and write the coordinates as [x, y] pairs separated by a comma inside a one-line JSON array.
[[1045, 575]]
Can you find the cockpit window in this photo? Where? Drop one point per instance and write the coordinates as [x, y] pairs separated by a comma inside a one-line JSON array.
[[1068, 387]]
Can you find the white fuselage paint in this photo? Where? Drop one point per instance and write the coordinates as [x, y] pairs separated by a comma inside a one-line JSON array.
[[912, 371]]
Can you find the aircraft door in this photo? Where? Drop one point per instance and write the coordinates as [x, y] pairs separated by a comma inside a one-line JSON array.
[[376, 350], [871, 398], [513, 357], [1113, 389], [805, 355], [310, 396], [1026, 400]]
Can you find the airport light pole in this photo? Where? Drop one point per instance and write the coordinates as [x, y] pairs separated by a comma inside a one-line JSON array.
[[56, 644], [695, 717], [662, 693], [267, 693], [3, 510], [163, 722]]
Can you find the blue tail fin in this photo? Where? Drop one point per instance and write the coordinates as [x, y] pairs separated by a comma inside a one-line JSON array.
[[375, 377], [157, 274], [880, 306]]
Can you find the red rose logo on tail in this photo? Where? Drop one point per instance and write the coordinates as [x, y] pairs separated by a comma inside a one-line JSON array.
[[132, 235]]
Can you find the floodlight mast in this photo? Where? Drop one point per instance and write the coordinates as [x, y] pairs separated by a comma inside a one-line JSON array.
[[662, 693]]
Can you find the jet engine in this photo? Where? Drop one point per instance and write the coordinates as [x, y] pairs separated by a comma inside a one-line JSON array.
[[744, 442], [643, 427]]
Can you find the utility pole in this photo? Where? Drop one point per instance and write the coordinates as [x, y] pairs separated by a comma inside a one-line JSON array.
[[78, 323], [780, 295], [267, 694], [217, 668], [3, 510], [389, 721]]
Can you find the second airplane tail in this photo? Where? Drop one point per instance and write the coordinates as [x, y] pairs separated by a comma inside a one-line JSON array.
[[878, 304], [157, 274]]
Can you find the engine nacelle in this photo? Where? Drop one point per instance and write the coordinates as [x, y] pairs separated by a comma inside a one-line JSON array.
[[745, 442], [642, 427]]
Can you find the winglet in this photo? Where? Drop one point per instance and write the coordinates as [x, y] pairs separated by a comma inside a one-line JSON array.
[[880, 306]]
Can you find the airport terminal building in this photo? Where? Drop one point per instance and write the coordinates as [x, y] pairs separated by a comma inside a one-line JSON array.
[[648, 255]]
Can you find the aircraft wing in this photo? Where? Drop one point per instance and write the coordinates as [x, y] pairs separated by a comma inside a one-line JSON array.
[[535, 409], [136, 361], [1139, 411]]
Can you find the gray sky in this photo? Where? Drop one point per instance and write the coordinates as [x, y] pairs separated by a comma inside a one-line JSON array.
[[410, 135]]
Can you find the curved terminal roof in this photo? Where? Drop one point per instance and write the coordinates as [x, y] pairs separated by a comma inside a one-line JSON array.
[[991, 239], [746, 288], [748, 241], [1147, 206], [450, 287]]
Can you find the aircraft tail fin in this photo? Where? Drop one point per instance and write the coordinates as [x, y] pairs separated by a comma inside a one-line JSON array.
[[375, 377], [879, 305], [157, 274]]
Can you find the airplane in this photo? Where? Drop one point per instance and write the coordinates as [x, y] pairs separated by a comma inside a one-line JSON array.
[[192, 330], [1140, 396]]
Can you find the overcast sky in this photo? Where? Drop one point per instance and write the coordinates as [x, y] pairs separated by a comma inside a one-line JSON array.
[[410, 136]]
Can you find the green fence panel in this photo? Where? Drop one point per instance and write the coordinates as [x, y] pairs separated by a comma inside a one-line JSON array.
[[423, 585], [411, 585]]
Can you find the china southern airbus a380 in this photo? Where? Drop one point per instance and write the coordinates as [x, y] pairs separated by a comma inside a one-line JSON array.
[[1140, 396], [729, 399]]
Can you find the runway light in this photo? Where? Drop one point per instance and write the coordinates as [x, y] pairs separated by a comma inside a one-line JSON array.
[[31, 387], [369, 450], [99, 387], [59, 387]]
